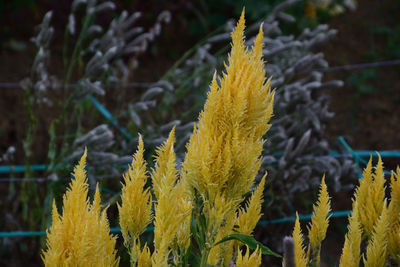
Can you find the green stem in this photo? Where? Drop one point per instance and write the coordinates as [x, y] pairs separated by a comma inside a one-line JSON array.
[[86, 23], [204, 257]]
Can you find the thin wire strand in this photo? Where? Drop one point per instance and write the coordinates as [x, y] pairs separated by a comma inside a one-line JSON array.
[[9, 85], [362, 65], [355, 153]]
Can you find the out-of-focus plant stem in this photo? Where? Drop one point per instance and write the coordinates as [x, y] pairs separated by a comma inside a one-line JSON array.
[[192, 50], [29, 194], [204, 256], [87, 21]]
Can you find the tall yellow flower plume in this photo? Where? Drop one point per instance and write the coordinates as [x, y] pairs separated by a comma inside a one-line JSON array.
[[370, 195], [171, 210], [319, 222], [299, 253], [165, 173], [224, 151], [135, 211], [81, 235]]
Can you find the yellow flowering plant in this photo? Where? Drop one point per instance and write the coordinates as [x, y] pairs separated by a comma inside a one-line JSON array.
[[198, 211], [373, 235], [201, 214], [81, 235]]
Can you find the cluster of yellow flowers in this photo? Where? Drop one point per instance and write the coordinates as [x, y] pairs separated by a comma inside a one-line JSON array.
[[81, 236], [203, 207], [198, 206], [374, 227]]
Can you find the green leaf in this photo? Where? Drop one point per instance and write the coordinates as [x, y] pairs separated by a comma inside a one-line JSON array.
[[194, 230], [250, 242]]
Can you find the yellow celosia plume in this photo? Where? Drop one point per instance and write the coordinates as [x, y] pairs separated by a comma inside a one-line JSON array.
[[299, 253], [319, 221], [370, 195], [172, 207], [135, 211], [165, 173], [81, 235], [224, 151]]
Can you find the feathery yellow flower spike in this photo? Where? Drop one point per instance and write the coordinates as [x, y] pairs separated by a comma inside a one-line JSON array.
[[81, 235], [351, 249], [171, 208], [319, 222], [165, 174], [370, 195], [224, 151], [135, 211], [299, 253]]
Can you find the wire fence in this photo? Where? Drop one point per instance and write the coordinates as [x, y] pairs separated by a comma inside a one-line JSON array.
[[336, 214], [358, 156], [377, 64], [363, 65]]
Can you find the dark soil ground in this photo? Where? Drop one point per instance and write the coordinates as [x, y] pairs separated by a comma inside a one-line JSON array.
[[369, 117], [367, 107]]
